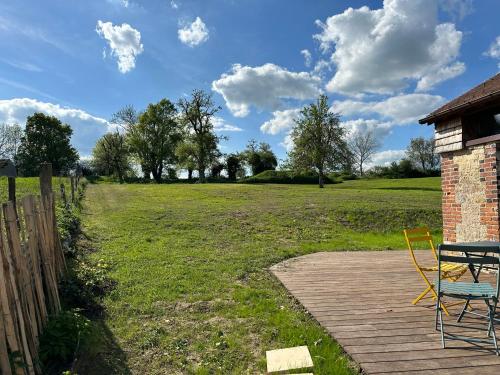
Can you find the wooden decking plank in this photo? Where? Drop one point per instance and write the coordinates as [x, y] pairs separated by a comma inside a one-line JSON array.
[[364, 300]]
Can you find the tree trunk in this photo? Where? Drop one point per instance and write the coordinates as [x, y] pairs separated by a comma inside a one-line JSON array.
[[361, 169], [201, 172], [190, 174], [321, 179], [156, 176]]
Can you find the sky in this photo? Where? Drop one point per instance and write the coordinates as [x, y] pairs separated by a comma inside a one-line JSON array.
[[383, 64]]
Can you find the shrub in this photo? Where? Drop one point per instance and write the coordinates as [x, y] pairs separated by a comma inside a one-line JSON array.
[[285, 177], [62, 336]]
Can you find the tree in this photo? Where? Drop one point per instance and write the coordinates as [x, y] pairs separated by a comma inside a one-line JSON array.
[[10, 139], [196, 115], [110, 155], [46, 139], [363, 146], [420, 151], [319, 141], [186, 157], [260, 157], [216, 168], [234, 166], [154, 138], [126, 117]]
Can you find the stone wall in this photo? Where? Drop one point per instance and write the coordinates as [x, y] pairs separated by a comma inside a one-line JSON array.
[[470, 194]]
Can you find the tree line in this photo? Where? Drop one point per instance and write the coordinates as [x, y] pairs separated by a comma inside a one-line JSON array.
[[166, 137]]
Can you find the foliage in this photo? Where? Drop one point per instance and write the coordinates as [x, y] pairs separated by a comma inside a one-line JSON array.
[[10, 139], [420, 152], [154, 138], [259, 157], [46, 139], [186, 157], [194, 294], [363, 145], [287, 177], [110, 156], [62, 336], [197, 114], [402, 169], [234, 166], [319, 141]]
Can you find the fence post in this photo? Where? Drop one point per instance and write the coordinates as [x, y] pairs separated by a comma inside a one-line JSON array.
[[72, 180], [12, 189], [46, 179]]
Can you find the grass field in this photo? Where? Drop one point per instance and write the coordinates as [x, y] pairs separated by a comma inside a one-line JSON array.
[[29, 185], [194, 294]]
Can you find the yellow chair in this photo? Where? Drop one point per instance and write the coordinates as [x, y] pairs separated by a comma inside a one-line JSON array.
[[449, 271]]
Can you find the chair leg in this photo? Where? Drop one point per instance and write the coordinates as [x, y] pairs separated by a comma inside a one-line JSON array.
[[491, 327], [440, 312], [422, 295], [462, 313]]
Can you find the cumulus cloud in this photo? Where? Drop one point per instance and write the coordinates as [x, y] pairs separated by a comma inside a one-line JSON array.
[[494, 50], [124, 42], [307, 57], [381, 51], [194, 33], [401, 109], [86, 127], [220, 125], [385, 158], [280, 122], [264, 87], [379, 129]]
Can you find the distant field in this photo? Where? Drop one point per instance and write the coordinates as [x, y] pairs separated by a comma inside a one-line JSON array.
[[28, 185], [194, 294]]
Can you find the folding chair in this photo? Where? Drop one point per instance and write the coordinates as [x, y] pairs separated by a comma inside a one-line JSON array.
[[451, 272], [473, 257]]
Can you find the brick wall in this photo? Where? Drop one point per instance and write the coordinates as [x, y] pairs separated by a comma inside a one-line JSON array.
[[470, 194]]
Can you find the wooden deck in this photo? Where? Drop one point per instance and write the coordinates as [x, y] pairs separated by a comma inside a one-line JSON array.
[[363, 300]]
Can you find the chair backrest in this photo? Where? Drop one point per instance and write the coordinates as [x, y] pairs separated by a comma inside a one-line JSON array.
[[419, 235], [474, 255]]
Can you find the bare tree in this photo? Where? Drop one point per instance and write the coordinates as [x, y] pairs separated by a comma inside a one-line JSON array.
[[363, 146]]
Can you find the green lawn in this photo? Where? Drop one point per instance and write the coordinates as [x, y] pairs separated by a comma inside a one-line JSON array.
[[30, 185], [194, 294]]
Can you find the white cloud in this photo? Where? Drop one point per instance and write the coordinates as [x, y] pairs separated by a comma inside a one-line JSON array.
[[307, 57], [379, 129], [287, 142], [381, 51], [401, 109], [174, 5], [86, 127], [264, 87], [494, 50], [123, 3], [457, 9], [193, 34], [22, 65], [124, 42], [385, 158], [281, 121], [220, 125]]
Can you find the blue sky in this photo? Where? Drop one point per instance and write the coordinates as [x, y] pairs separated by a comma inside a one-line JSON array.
[[382, 64]]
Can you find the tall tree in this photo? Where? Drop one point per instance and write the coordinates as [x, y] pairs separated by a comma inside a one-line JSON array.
[[420, 152], [260, 157], [319, 141], [363, 146], [186, 157], [10, 139], [234, 166], [125, 117], [197, 113], [110, 155], [46, 139], [154, 138]]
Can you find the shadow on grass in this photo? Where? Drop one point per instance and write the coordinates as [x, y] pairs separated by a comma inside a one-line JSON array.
[[408, 188], [104, 354]]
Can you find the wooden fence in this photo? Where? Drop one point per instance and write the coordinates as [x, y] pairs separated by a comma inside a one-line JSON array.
[[31, 264]]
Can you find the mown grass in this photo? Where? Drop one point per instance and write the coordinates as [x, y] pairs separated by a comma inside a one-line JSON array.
[[194, 293], [29, 185]]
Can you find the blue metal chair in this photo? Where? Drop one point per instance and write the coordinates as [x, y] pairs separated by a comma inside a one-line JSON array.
[[476, 257]]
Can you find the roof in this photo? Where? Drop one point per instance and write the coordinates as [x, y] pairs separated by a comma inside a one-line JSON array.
[[483, 93], [7, 168]]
